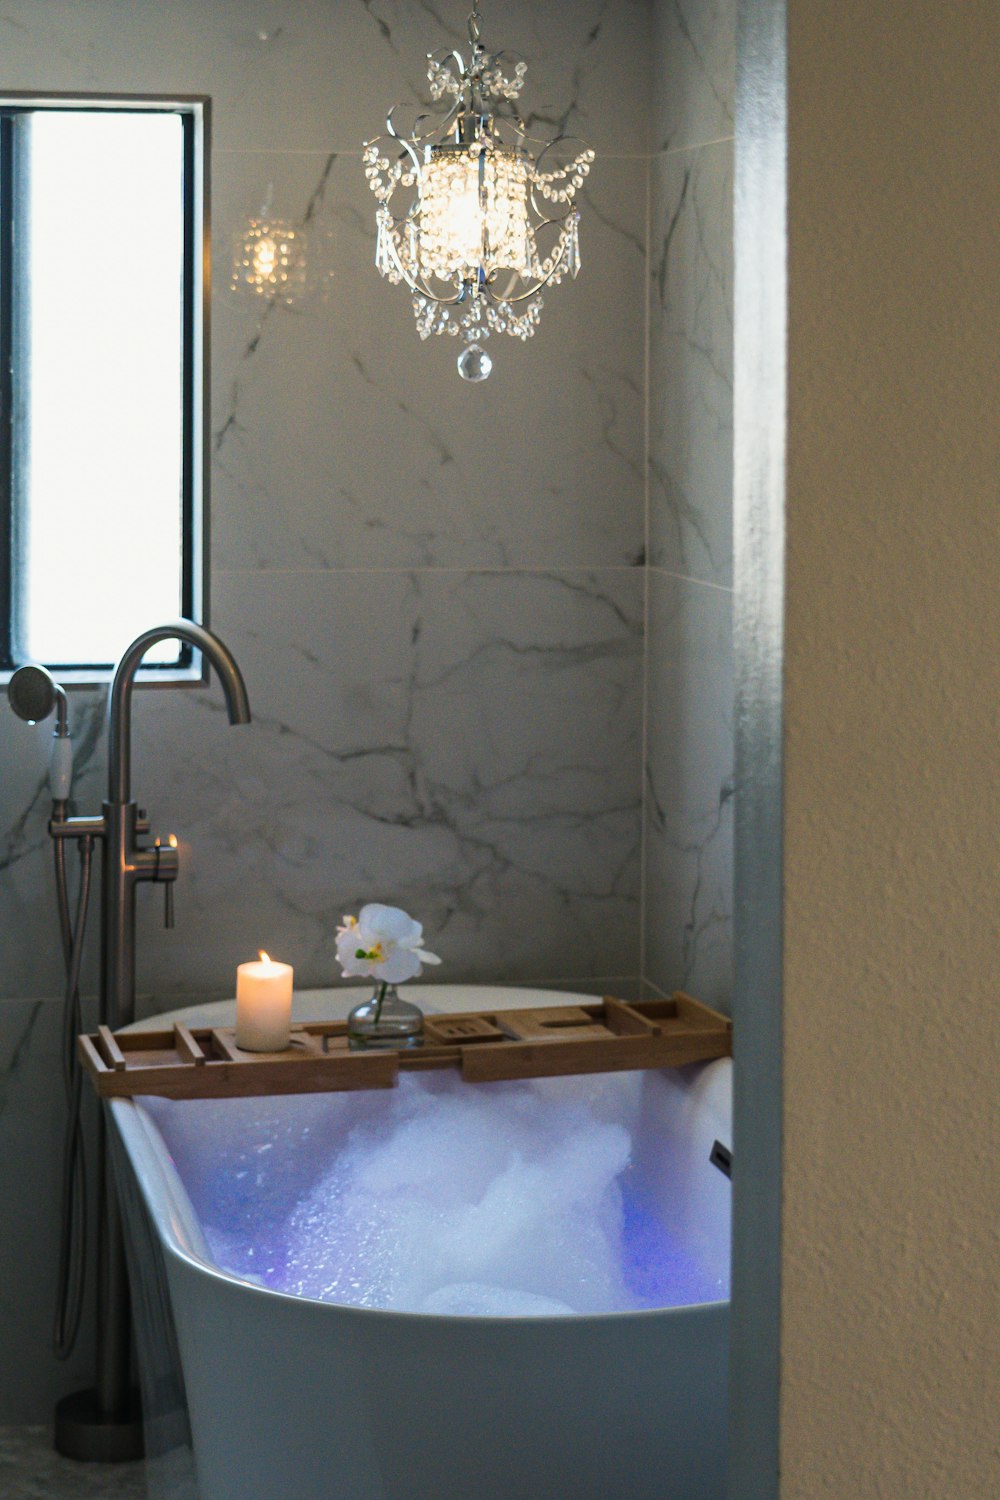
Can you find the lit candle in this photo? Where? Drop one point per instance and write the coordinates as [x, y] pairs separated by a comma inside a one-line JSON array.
[[263, 1005]]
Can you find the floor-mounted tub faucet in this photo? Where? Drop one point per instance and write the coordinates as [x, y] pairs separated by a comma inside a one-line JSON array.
[[103, 1423], [125, 862], [120, 826]]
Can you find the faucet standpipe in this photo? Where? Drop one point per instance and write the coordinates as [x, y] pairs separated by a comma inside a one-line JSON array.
[[102, 1423]]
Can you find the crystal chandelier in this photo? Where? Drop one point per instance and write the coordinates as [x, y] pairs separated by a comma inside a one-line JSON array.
[[471, 221]]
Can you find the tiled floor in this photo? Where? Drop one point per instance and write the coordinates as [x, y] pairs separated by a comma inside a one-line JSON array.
[[30, 1469]]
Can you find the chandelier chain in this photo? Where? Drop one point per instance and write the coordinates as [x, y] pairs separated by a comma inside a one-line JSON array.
[[475, 23]]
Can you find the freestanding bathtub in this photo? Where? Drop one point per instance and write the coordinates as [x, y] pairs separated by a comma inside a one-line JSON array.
[[253, 1394]]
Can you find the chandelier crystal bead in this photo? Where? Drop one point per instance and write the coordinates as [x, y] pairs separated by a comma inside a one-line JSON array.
[[464, 204]]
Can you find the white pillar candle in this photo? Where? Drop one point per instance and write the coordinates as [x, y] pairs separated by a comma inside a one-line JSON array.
[[263, 1005]]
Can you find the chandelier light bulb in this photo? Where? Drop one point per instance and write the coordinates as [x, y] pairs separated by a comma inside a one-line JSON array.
[[471, 217], [468, 224], [264, 256]]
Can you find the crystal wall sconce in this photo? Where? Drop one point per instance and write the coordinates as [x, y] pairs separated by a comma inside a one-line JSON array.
[[269, 259]]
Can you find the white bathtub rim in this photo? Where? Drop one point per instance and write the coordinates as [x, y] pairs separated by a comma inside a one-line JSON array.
[[338, 999]]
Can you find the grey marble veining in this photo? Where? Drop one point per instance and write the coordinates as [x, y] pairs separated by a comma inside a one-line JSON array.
[[342, 440], [691, 364], [689, 789], [320, 76], [32, 1115], [689, 758], [466, 745], [694, 79], [29, 941], [433, 588]]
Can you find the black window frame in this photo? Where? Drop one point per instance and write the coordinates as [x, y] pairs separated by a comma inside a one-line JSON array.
[[194, 112]]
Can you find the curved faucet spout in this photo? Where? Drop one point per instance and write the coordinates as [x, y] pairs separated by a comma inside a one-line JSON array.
[[120, 696]]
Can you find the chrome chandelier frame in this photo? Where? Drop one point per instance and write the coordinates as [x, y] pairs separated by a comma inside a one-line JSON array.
[[480, 121]]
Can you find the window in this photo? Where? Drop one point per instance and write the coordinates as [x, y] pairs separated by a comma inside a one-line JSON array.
[[102, 220]]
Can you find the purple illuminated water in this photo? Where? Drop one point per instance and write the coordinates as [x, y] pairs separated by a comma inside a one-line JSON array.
[[503, 1200], [659, 1267]]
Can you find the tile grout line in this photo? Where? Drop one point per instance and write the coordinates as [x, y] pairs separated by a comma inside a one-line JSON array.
[[644, 741], [354, 152], [705, 583], [720, 140], [182, 1001], [486, 572]]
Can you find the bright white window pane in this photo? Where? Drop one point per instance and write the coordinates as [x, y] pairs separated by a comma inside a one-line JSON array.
[[100, 443]]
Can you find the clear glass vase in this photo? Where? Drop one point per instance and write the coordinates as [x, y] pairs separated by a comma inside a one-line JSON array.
[[384, 1021]]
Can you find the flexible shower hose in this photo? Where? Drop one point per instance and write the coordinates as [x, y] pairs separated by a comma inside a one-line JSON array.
[[73, 1207]]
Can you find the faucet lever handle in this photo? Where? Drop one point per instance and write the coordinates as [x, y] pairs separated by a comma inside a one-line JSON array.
[[165, 871]]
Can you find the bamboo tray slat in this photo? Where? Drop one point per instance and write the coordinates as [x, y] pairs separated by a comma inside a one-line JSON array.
[[484, 1046]]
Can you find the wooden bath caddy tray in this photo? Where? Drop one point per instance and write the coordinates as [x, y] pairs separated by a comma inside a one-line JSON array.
[[484, 1046]]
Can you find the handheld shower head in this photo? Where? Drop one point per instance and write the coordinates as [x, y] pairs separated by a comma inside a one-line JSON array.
[[33, 693]]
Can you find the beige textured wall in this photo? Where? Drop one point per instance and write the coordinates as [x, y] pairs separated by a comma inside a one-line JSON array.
[[890, 1300]]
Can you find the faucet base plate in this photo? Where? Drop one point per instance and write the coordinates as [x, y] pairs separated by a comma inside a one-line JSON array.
[[84, 1432]]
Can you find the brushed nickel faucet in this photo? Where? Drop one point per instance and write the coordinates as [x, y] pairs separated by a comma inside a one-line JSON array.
[[103, 1423], [125, 862], [121, 824]]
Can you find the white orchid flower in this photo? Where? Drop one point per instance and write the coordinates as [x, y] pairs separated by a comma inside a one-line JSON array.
[[382, 943]]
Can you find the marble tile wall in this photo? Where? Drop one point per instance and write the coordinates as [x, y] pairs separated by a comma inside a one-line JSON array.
[[32, 1119], [687, 907], [436, 591]]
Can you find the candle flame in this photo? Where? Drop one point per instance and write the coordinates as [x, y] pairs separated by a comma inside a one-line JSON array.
[[263, 957], [172, 841]]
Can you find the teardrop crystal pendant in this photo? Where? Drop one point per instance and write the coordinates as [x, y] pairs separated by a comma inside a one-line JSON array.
[[383, 258], [474, 364], [384, 1021], [573, 244]]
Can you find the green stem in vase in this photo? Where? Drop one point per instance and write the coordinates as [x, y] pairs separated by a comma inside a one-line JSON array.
[[383, 986]]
